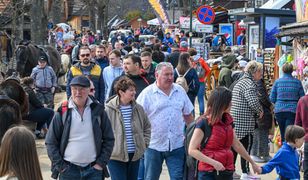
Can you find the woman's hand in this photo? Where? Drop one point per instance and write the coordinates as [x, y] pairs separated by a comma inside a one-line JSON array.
[[257, 169], [218, 166]]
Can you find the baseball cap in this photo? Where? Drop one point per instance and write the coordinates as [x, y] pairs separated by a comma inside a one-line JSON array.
[[184, 44], [80, 81], [242, 63], [43, 58]]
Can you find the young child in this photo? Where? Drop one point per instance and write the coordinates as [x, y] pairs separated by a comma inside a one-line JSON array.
[[286, 160], [45, 81]]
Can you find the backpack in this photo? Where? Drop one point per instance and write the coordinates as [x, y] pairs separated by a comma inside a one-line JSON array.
[[191, 162], [180, 80], [200, 70]]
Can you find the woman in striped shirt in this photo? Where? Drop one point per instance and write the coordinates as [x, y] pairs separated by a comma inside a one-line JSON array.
[[132, 131]]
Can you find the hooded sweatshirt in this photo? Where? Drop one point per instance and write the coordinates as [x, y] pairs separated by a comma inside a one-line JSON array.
[[109, 75], [225, 74]]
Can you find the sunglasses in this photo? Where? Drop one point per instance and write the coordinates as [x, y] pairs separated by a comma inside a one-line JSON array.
[[84, 55]]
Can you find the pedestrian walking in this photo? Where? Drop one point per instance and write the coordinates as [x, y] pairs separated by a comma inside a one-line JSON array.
[[132, 131], [80, 139], [216, 158], [168, 117], [285, 94]]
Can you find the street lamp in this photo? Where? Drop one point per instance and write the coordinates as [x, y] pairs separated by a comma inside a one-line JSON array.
[[190, 24]]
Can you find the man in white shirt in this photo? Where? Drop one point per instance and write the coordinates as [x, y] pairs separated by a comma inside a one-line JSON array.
[[168, 108]]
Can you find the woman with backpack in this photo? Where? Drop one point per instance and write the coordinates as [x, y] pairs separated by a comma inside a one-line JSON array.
[[216, 158], [186, 76], [203, 70]]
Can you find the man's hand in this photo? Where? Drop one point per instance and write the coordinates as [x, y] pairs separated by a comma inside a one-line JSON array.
[[97, 167]]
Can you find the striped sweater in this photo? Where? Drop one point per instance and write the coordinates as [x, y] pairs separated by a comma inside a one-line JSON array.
[[285, 93]]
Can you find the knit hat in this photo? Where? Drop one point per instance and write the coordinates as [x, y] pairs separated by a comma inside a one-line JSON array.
[[228, 60]]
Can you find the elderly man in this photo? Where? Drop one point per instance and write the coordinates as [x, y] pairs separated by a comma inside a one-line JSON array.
[[168, 117], [80, 139], [89, 69]]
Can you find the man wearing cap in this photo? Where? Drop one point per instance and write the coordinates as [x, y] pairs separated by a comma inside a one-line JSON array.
[[80, 138], [45, 81], [91, 70], [119, 46], [168, 39]]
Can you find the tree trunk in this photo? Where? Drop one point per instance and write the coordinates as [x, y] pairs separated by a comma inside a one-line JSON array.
[[92, 13], [56, 11], [38, 22], [106, 14], [17, 21]]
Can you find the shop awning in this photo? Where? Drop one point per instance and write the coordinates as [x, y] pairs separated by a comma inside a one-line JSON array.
[[275, 4], [295, 29]]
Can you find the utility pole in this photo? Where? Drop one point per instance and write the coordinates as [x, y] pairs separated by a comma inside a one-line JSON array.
[[190, 24]]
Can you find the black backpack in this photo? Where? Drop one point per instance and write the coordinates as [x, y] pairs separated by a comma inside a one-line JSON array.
[[190, 161]]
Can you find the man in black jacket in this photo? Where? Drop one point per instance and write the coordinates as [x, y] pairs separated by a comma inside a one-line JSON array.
[[80, 138]]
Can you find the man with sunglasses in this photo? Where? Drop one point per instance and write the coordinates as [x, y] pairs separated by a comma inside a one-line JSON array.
[[91, 70]]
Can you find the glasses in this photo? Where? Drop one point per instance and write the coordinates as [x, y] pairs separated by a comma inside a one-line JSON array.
[[84, 55]]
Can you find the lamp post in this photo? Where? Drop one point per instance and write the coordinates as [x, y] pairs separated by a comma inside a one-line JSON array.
[[190, 23]]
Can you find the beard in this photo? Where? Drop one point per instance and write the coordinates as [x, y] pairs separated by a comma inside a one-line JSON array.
[[86, 61]]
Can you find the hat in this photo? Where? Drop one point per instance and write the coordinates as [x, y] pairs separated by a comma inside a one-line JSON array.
[[43, 58], [80, 81], [242, 63], [228, 60], [175, 45], [183, 44]]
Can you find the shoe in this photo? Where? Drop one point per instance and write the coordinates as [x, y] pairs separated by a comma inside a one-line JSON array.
[[249, 176], [257, 159], [236, 176], [267, 158]]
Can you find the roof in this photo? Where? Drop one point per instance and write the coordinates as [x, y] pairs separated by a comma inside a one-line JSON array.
[[295, 29], [260, 11], [275, 4]]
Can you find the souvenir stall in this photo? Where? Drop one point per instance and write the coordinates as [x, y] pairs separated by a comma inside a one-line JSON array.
[[298, 32]]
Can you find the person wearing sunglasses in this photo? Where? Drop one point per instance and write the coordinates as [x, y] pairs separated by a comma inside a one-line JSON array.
[[90, 69]]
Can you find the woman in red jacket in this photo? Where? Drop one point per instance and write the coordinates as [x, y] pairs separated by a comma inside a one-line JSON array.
[[216, 159]]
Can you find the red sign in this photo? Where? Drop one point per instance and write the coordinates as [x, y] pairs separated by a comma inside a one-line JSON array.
[[206, 14]]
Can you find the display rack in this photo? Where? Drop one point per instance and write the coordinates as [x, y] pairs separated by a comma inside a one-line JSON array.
[[269, 59]]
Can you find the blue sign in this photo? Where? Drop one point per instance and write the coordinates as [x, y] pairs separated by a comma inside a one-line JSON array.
[[206, 14]]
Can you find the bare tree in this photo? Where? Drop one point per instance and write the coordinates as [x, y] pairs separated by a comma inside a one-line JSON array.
[[38, 22], [17, 7], [55, 10], [92, 14], [102, 16]]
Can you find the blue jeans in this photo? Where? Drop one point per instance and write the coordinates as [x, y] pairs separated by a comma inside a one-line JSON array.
[[124, 170], [141, 169], [201, 97], [284, 119], [153, 161], [83, 173]]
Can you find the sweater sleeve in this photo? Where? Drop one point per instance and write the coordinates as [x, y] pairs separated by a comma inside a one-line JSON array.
[[277, 159], [273, 96], [298, 118], [228, 79]]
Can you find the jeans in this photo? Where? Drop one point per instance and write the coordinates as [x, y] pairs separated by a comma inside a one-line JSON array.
[[40, 116], [284, 119], [141, 169], [81, 173], [124, 170], [153, 161], [202, 175], [201, 97], [305, 163]]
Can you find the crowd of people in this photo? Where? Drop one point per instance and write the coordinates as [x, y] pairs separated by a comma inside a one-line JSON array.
[[129, 104]]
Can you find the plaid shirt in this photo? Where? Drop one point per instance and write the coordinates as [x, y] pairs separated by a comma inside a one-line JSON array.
[[245, 107]]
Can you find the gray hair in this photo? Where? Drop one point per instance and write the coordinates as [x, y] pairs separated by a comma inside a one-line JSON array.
[[253, 66], [92, 46], [160, 66]]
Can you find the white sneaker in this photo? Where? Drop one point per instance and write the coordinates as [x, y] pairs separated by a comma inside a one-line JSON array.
[[246, 176]]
